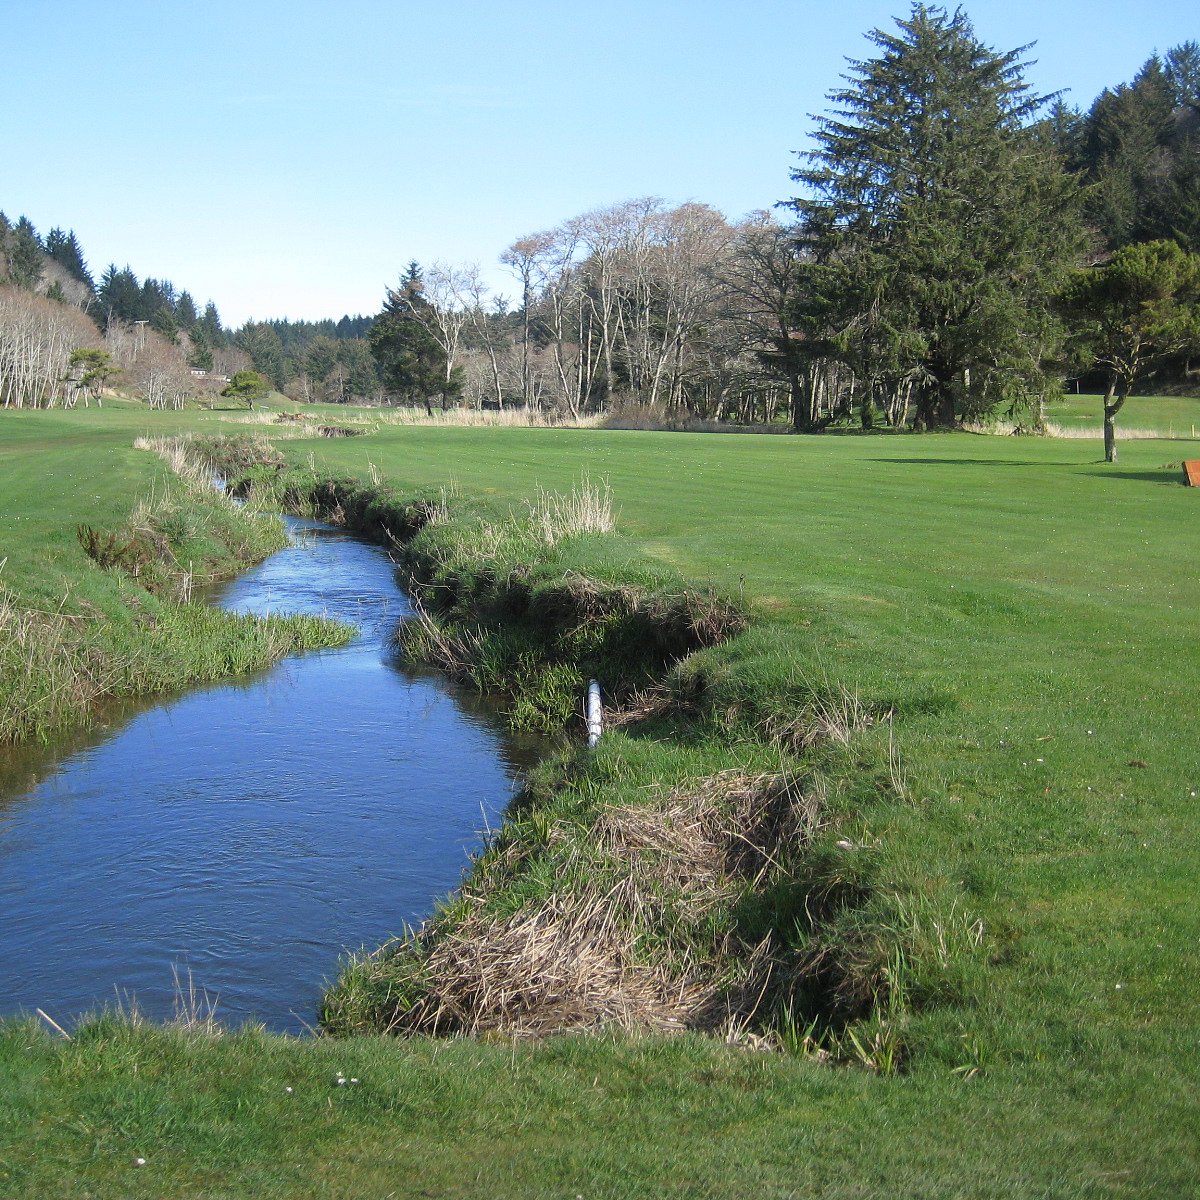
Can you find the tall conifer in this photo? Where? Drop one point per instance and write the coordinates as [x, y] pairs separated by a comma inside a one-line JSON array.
[[937, 223]]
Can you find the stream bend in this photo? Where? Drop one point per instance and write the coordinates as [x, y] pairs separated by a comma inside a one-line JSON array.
[[253, 831]]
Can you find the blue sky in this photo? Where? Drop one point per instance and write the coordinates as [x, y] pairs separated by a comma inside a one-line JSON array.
[[287, 159]]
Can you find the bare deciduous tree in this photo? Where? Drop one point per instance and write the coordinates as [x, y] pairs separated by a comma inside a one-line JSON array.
[[37, 337]]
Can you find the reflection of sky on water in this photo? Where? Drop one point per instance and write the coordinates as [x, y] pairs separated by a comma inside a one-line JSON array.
[[252, 831]]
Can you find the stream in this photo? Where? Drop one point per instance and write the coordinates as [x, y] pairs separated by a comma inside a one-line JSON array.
[[246, 835]]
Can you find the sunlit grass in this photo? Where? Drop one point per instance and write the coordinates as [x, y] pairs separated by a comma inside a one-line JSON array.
[[1028, 617]]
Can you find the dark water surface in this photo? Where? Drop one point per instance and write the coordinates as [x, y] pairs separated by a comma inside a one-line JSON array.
[[248, 832]]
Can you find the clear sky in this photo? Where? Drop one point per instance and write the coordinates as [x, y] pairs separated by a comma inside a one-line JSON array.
[[288, 157]]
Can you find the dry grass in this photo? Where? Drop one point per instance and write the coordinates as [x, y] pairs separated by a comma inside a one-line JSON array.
[[624, 937], [634, 414], [709, 841], [487, 418], [178, 454], [587, 508], [567, 965], [1095, 433], [833, 713], [296, 425], [1001, 428], [255, 418]]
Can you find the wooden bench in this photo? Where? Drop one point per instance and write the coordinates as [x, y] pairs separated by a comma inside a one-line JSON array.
[[1191, 470]]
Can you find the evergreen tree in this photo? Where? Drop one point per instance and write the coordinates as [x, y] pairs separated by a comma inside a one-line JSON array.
[[120, 295], [320, 357], [410, 360], [91, 369], [261, 342], [1063, 128], [24, 251], [214, 334], [201, 357], [937, 222], [64, 249], [1128, 155], [1131, 313], [185, 312], [248, 386], [163, 321], [1174, 207], [1182, 69], [354, 355], [352, 328]]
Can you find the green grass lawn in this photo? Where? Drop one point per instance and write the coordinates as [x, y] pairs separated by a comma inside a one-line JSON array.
[[1032, 616], [1163, 416]]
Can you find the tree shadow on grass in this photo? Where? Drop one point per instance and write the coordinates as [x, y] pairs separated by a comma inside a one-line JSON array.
[[1152, 476], [968, 462]]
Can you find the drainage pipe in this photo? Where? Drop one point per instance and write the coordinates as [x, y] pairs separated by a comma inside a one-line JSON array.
[[595, 715]]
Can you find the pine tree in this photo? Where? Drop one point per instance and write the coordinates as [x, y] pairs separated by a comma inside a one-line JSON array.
[[361, 377], [262, 343], [1123, 151], [1182, 70], [411, 362], [120, 295], [185, 312], [1174, 209], [1131, 313], [214, 334], [248, 386], [937, 222], [201, 357], [64, 249], [25, 255]]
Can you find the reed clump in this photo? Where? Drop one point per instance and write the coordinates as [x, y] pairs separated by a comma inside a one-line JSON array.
[[628, 933], [524, 605], [49, 670]]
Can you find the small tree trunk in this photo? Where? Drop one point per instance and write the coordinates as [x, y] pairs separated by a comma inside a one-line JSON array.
[[799, 401], [1114, 398]]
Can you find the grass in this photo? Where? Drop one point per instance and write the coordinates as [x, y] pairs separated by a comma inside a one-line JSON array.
[[1141, 417], [104, 550], [1027, 617]]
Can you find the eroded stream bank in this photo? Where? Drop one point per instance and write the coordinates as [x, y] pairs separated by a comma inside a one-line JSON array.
[[251, 831]]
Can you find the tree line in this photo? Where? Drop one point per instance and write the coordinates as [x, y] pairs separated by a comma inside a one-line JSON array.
[[63, 337], [957, 246]]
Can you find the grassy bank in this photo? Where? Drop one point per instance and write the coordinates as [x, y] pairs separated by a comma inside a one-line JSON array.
[[105, 551], [1026, 616], [696, 873]]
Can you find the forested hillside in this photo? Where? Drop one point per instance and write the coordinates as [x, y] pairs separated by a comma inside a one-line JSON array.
[[64, 337]]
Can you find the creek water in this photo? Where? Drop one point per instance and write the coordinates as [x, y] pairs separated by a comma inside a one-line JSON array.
[[248, 833]]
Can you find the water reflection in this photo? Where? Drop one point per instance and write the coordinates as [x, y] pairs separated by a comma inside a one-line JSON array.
[[250, 831]]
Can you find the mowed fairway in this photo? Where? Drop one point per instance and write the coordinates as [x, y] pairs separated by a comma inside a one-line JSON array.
[[1032, 616]]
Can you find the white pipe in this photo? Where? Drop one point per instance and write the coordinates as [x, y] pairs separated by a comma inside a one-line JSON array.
[[595, 715]]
